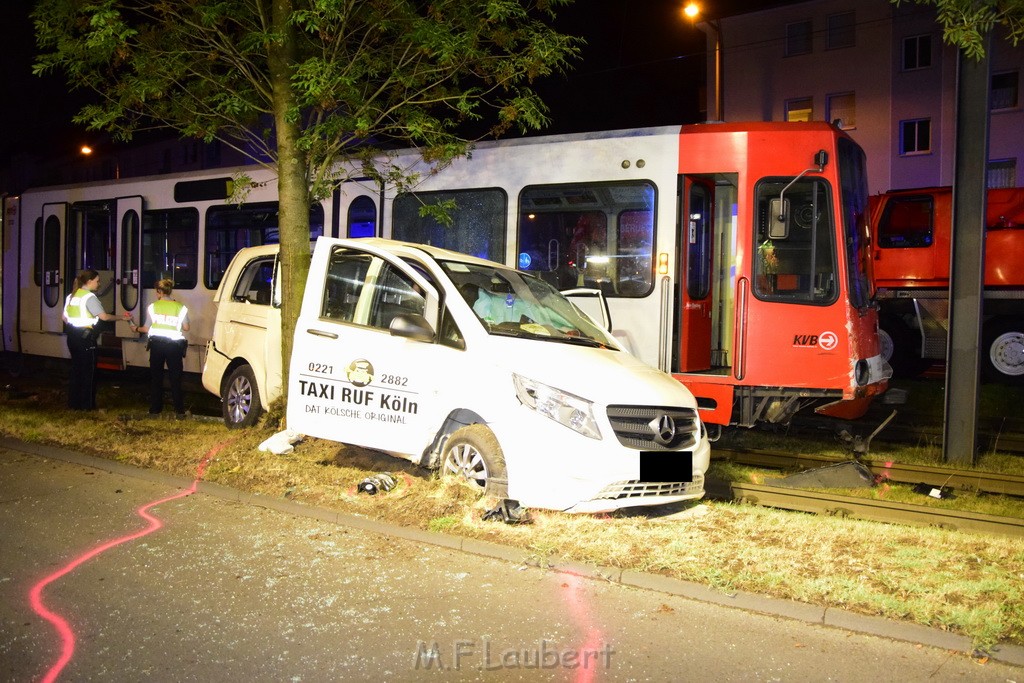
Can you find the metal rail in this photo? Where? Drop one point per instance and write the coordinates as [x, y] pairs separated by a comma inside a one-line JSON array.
[[969, 480], [876, 510]]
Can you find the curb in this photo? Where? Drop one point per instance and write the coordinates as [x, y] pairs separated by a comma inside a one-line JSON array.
[[751, 602]]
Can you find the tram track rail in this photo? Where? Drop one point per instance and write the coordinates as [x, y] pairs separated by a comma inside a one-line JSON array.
[[827, 503], [969, 480], [830, 504]]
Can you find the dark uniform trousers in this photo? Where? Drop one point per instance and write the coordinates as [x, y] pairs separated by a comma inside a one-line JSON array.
[[82, 385], [163, 351]]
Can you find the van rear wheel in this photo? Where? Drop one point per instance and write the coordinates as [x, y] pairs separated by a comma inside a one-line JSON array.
[[473, 453], [240, 401]]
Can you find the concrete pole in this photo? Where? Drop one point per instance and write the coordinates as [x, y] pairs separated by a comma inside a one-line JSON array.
[[967, 259]]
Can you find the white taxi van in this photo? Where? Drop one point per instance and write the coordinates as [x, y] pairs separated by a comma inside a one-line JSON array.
[[485, 372]]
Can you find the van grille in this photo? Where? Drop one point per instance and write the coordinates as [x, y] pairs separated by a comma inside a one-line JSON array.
[[640, 489], [645, 428]]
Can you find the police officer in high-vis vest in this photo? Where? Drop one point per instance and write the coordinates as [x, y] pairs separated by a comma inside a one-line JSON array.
[[166, 320], [83, 313]]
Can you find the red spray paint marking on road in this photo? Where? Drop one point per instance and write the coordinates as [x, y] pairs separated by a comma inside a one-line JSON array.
[[67, 636], [588, 652]]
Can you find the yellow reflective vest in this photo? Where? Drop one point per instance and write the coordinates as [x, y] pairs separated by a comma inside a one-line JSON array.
[[76, 308], [166, 318]]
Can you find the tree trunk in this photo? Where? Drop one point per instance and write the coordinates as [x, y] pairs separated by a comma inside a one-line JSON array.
[[292, 182]]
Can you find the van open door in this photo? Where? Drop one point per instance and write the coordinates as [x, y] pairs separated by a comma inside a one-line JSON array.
[[365, 368]]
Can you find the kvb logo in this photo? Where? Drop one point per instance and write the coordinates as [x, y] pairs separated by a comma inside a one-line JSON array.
[[826, 340]]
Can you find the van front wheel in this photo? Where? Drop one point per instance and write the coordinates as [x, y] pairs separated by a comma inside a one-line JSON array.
[[473, 454], [240, 401]]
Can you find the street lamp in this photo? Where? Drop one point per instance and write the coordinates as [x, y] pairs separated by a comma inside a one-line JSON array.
[[711, 28]]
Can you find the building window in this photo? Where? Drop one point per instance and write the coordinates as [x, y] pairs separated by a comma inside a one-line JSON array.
[[1002, 173], [916, 136], [917, 52], [840, 31], [1004, 90], [841, 109], [800, 109], [798, 38]]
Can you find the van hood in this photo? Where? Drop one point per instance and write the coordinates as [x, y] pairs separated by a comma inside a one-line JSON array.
[[599, 375]]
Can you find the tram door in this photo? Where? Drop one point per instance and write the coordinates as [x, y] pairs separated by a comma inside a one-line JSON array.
[[89, 244], [696, 303], [128, 264], [54, 280]]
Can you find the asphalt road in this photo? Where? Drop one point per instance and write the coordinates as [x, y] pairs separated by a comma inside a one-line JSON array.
[[234, 591]]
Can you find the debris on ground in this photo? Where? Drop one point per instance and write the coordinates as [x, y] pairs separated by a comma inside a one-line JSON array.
[[510, 512], [281, 443], [385, 481], [843, 475], [941, 492]]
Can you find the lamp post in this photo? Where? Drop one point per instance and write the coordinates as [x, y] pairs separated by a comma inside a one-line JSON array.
[[714, 29]]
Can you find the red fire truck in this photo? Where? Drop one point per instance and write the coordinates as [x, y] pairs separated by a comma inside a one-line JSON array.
[[911, 258]]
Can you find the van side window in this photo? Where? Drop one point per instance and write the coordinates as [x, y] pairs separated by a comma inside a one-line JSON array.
[[907, 222], [346, 275], [394, 294], [256, 282]]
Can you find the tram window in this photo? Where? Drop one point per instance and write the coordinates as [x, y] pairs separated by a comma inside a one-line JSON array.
[[698, 240], [231, 227], [37, 259], [907, 222], [170, 247], [362, 217], [855, 230], [51, 261], [130, 260], [598, 235], [800, 268], [96, 227], [477, 221]]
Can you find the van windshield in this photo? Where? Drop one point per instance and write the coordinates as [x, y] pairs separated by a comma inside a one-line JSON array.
[[514, 304]]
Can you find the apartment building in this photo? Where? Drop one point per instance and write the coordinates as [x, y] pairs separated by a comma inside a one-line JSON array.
[[882, 71]]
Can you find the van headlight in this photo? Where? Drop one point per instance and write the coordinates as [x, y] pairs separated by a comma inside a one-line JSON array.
[[572, 411]]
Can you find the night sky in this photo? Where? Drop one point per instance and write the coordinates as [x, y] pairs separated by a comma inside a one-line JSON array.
[[643, 65]]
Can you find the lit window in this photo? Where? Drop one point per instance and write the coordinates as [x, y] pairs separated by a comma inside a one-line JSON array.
[[798, 38], [916, 136], [917, 52], [842, 110], [840, 31], [800, 110], [1002, 173]]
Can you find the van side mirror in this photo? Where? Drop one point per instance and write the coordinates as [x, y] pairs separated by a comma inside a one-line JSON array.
[[411, 326], [778, 221]]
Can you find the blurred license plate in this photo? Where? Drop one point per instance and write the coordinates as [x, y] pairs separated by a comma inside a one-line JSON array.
[[662, 466]]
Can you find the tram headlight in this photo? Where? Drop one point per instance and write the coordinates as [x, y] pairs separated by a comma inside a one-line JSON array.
[[567, 409], [862, 372]]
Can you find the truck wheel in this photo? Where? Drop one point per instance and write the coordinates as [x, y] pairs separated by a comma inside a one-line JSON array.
[[1002, 358], [473, 453], [901, 347], [240, 402]]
